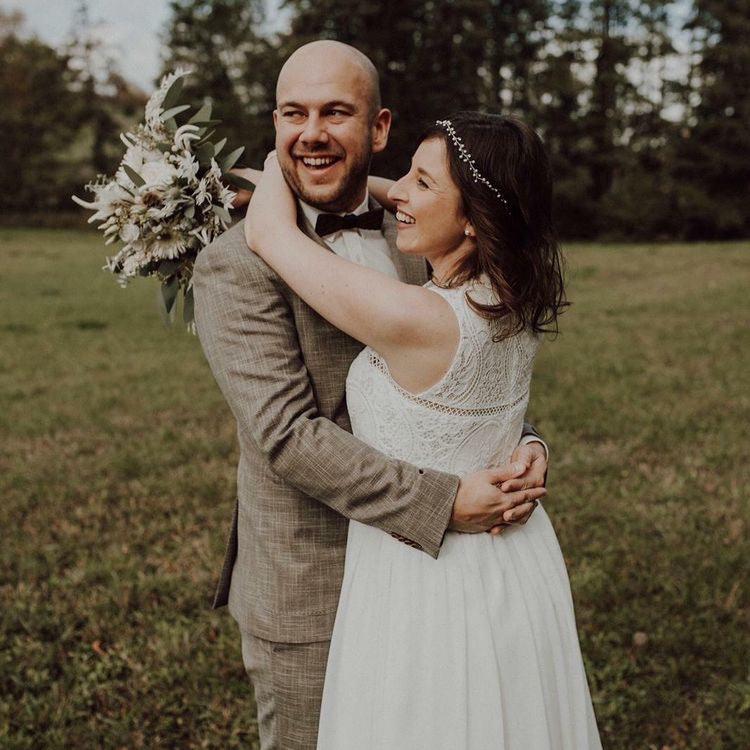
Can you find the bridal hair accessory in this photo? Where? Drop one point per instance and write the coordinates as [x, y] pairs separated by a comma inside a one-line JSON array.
[[467, 159]]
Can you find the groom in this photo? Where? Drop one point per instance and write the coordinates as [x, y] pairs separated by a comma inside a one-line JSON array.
[[282, 369]]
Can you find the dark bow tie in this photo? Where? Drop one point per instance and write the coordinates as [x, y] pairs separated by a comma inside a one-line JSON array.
[[330, 223]]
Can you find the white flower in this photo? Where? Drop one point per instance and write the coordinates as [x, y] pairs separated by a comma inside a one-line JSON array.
[[158, 173], [201, 193], [139, 154], [106, 198], [203, 235], [187, 167], [214, 171], [131, 265], [226, 196], [184, 135], [129, 233]]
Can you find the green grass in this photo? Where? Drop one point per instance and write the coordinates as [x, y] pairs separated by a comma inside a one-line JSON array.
[[117, 462]]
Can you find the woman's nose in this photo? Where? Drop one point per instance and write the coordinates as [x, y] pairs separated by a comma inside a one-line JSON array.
[[396, 192]]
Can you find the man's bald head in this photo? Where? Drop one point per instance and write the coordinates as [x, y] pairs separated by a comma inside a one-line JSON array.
[[329, 122], [326, 55]]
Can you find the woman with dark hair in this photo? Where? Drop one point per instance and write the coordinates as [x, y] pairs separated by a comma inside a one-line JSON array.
[[478, 648]]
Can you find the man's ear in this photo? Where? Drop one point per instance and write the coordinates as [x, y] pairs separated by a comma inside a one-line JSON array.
[[276, 119], [381, 127]]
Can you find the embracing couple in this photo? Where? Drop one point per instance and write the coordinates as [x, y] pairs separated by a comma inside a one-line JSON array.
[[395, 584]]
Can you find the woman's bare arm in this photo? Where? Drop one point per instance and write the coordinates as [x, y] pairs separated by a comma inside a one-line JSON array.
[[379, 187], [394, 318]]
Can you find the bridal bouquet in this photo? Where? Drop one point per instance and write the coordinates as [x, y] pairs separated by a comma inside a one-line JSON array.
[[166, 200]]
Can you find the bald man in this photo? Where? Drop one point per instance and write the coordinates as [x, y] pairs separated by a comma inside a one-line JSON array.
[[282, 369]]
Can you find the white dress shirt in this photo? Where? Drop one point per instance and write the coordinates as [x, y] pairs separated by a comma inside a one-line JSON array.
[[367, 247]]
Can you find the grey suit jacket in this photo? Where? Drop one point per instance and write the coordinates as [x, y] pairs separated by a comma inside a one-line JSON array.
[[282, 369]]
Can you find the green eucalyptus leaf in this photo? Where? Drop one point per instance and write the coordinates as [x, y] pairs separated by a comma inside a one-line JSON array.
[[167, 268], [220, 145], [203, 114], [188, 307], [205, 123], [165, 148], [169, 292], [190, 211], [231, 159], [173, 93], [173, 111], [239, 182], [138, 181], [204, 152], [205, 136], [222, 213]]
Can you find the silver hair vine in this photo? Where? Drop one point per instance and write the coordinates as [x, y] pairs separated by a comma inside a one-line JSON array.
[[466, 157]]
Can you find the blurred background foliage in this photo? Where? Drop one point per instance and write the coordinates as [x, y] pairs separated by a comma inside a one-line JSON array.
[[644, 104]]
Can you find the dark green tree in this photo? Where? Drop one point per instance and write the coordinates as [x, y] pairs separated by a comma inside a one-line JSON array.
[[234, 66], [433, 57], [712, 164], [106, 104], [37, 123]]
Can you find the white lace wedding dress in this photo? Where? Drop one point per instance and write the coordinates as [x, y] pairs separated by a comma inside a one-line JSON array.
[[478, 649]]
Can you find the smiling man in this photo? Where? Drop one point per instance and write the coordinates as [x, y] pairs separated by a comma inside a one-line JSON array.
[[282, 369]]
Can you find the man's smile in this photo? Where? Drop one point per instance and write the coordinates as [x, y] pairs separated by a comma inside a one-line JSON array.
[[319, 162]]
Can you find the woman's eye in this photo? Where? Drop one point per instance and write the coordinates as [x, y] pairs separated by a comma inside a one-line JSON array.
[[422, 183]]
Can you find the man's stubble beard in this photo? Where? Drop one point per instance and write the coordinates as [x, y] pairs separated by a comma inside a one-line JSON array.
[[347, 194]]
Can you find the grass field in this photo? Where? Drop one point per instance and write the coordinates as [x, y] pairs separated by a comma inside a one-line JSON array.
[[117, 463]]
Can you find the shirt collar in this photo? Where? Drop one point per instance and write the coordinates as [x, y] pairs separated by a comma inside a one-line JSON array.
[[311, 213]]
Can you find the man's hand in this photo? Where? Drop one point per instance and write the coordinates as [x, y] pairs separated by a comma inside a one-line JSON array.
[[534, 457], [480, 503]]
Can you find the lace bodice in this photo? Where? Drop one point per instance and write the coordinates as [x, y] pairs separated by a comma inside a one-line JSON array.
[[471, 418]]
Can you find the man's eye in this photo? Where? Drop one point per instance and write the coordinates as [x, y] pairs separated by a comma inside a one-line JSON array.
[[337, 112], [293, 114]]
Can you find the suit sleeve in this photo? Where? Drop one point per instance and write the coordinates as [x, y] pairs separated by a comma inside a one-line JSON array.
[[248, 334]]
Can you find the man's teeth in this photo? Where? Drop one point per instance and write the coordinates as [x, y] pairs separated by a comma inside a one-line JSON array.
[[405, 218], [320, 161]]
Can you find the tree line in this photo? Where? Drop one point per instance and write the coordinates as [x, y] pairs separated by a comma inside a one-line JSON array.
[[644, 105]]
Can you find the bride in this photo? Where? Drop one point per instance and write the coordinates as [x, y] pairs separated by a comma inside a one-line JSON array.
[[478, 649]]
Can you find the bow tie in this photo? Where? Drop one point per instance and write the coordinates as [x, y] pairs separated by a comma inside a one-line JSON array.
[[330, 223]]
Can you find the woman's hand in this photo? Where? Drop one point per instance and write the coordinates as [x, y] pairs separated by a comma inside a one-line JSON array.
[[273, 210]]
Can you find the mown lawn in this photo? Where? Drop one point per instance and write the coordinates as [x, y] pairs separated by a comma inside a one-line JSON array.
[[117, 461]]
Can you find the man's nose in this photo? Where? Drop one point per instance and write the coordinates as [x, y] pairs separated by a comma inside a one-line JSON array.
[[314, 130]]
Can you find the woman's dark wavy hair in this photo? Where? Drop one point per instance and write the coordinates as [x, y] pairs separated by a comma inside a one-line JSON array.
[[516, 243]]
